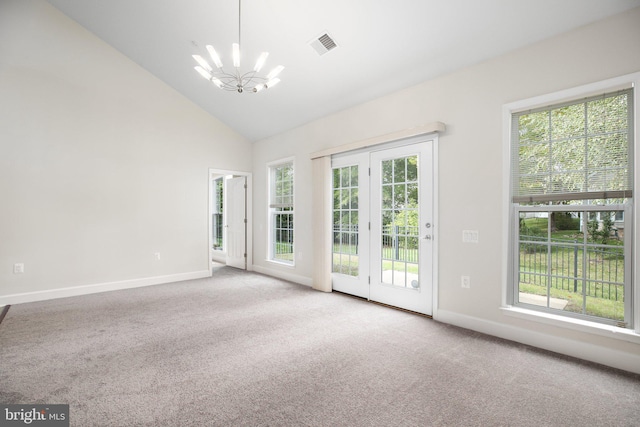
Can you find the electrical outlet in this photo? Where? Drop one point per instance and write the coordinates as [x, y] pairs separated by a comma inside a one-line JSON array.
[[466, 282], [18, 268], [157, 255]]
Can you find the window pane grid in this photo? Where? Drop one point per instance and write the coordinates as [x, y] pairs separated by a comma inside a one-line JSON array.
[[572, 182], [400, 239], [572, 149], [282, 214], [217, 220], [345, 221], [282, 249], [569, 269]]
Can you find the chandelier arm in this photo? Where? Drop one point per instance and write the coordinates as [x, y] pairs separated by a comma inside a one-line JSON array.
[[250, 76], [236, 81]]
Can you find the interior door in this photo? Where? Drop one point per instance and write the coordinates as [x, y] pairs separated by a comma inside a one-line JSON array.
[[382, 226], [401, 249], [236, 224]]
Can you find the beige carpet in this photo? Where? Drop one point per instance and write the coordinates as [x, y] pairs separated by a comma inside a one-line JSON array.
[[242, 349]]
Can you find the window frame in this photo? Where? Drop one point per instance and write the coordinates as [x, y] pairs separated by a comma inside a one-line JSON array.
[[510, 222], [273, 211], [218, 211]]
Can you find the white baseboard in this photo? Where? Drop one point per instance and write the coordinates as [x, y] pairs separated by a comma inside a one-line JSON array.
[[99, 287], [578, 349], [302, 280], [219, 258]]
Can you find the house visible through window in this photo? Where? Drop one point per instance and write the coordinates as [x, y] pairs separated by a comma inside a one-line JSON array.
[[572, 200], [281, 208]]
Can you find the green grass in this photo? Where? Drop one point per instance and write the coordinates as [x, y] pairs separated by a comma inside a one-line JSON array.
[[348, 263], [599, 307], [567, 268], [538, 227], [283, 251], [399, 266]]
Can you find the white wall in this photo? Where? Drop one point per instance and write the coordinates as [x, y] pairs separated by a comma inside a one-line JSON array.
[[470, 103], [101, 164]]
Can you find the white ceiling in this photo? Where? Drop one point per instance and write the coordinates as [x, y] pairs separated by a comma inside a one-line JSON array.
[[384, 45]]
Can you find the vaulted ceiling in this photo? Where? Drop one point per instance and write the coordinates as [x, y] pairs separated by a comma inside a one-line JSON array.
[[383, 45]]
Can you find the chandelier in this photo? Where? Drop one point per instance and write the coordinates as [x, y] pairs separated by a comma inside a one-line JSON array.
[[237, 80]]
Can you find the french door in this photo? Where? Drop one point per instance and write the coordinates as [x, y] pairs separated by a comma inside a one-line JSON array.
[[382, 225]]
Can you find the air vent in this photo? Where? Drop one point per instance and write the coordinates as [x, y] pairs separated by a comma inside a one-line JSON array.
[[323, 44]]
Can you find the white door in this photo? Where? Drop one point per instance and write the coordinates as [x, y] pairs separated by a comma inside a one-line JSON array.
[[401, 247], [350, 224], [236, 225], [382, 226]]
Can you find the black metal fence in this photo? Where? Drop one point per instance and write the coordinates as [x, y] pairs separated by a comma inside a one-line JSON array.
[[573, 266], [398, 243]]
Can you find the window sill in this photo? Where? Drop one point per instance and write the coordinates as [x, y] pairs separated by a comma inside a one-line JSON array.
[[608, 331]]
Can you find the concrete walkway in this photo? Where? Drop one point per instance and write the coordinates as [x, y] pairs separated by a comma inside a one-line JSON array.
[[532, 299]]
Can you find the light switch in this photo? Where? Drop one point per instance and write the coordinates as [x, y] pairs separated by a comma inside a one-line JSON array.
[[470, 236]]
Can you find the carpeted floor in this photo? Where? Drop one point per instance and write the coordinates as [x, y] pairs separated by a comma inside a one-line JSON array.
[[242, 349]]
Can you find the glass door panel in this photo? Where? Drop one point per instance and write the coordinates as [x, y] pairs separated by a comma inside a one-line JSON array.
[[350, 225], [399, 250], [401, 234]]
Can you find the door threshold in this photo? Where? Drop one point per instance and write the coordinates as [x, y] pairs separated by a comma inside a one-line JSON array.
[[384, 305]]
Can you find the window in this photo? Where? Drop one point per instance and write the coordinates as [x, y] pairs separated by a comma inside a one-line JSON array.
[[217, 220], [345, 221], [281, 209], [571, 201]]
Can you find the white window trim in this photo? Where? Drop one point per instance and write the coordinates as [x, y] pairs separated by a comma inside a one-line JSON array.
[[631, 334], [269, 251]]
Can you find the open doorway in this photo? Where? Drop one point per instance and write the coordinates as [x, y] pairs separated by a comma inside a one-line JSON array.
[[230, 240]]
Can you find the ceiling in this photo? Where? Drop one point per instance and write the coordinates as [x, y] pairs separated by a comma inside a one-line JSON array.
[[383, 45]]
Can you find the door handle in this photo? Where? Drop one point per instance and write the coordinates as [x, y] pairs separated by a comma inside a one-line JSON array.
[[427, 237]]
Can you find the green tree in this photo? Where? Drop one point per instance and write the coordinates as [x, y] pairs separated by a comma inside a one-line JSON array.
[[556, 147]]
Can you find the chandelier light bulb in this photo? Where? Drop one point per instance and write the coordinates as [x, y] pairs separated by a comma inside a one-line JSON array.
[[204, 73], [275, 72], [260, 61], [272, 82], [236, 55], [204, 64], [237, 80], [214, 56]]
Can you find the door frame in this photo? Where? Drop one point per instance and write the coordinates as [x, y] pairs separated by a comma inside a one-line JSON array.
[[389, 144], [249, 209]]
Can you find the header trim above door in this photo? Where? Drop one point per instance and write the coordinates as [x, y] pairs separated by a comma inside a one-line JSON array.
[[434, 127]]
